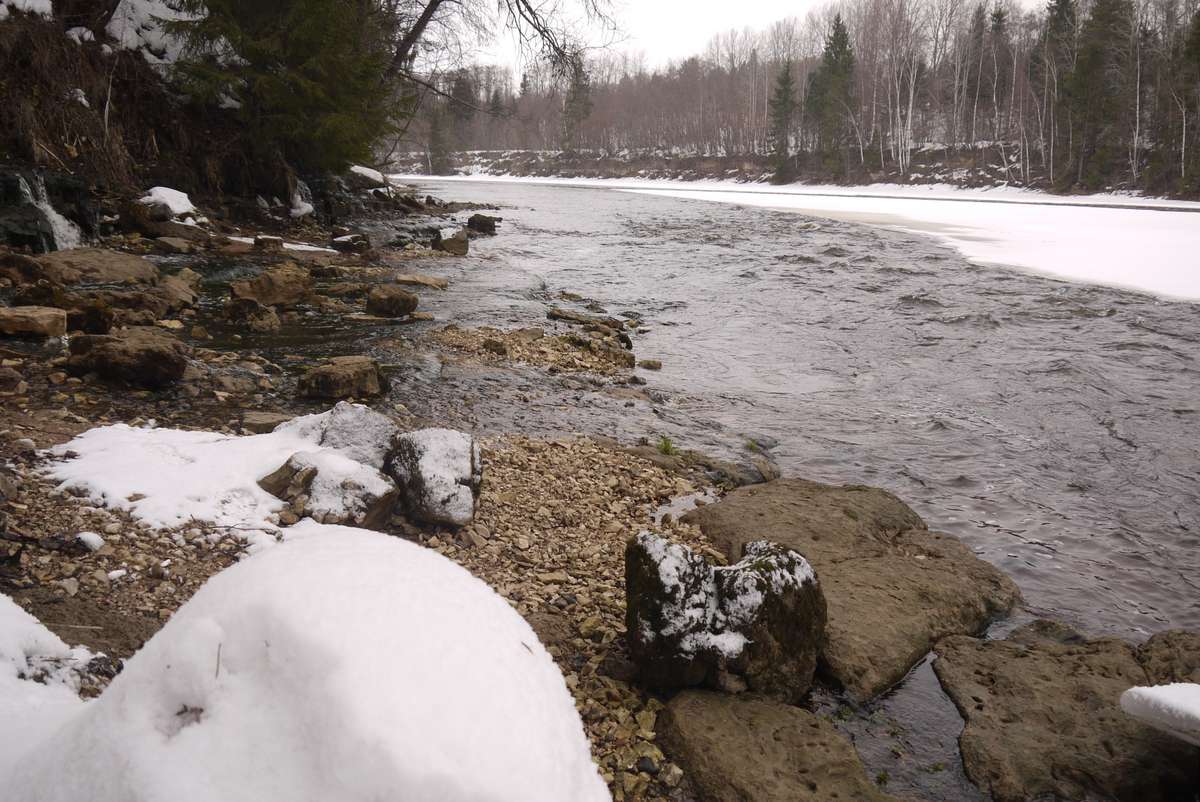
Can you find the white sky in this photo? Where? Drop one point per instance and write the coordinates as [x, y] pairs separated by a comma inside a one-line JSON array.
[[675, 29]]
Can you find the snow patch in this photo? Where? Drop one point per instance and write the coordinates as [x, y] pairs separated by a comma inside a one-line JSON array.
[[90, 540], [138, 25], [41, 8], [169, 477], [178, 202], [1173, 709], [342, 665]]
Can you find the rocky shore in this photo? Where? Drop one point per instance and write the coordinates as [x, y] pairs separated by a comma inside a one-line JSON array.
[[691, 643]]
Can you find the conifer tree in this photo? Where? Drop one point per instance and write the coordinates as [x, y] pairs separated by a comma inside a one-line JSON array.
[[439, 153], [1100, 92], [783, 112], [577, 106], [830, 100], [304, 74]]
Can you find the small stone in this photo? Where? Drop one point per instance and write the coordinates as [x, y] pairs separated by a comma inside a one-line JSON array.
[[650, 364], [71, 586]]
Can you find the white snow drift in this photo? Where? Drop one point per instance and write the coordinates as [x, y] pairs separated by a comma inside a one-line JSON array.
[[178, 202], [169, 477], [1174, 708], [342, 665]]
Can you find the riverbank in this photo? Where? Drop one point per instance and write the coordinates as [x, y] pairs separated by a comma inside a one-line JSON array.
[[554, 512]]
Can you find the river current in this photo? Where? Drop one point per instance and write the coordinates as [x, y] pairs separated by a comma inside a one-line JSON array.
[[1054, 427]]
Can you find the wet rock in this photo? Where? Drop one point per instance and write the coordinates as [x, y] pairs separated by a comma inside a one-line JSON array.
[[650, 364], [439, 472], [569, 316], [344, 377], [458, 245], [176, 291], [419, 280], [174, 245], [389, 300], [1172, 656], [332, 489], [351, 243], [12, 382], [141, 356], [483, 223], [267, 244], [251, 314], [744, 749], [1044, 720], [757, 624], [97, 266], [892, 586], [32, 322], [281, 286], [257, 422]]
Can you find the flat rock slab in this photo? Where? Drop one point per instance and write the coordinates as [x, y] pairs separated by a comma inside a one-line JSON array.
[[1044, 719], [420, 280], [97, 266], [740, 749], [32, 322], [892, 587]]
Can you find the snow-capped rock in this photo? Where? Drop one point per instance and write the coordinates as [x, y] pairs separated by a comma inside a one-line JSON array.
[[757, 624], [1173, 708], [439, 472]]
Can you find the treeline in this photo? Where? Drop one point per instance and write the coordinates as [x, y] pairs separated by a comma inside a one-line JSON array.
[[1103, 93]]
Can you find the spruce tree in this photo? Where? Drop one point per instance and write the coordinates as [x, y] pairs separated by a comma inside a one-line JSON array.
[[783, 111], [1100, 94], [439, 154], [830, 101], [304, 74], [462, 109]]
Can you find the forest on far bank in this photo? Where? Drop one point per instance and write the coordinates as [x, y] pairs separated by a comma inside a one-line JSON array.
[[1091, 95]]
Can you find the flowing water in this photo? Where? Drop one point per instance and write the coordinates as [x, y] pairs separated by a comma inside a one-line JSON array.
[[1053, 427]]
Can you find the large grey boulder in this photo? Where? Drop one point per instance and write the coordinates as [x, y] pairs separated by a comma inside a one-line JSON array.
[[439, 472], [354, 430], [1044, 719], [759, 624], [892, 587], [741, 749]]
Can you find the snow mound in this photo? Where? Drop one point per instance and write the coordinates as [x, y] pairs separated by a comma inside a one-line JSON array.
[[178, 202], [31, 710], [341, 665], [169, 477], [1174, 708], [369, 174]]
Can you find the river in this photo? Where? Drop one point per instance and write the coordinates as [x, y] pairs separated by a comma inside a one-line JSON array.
[[1052, 426]]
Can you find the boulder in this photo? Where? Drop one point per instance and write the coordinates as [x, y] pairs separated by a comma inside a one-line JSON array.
[[740, 749], [12, 382], [483, 223], [351, 243], [389, 300], [253, 315], [892, 587], [439, 472], [97, 266], [458, 245], [344, 377], [174, 245], [280, 286], [357, 431], [569, 316], [1044, 720], [759, 624], [332, 488], [142, 356], [32, 322]]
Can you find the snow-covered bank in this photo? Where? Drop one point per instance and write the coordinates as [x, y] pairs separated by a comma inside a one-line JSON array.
[[1139, 243], [344, 665]]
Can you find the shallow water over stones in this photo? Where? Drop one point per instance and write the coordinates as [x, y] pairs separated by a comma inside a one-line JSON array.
[[1051, 426]]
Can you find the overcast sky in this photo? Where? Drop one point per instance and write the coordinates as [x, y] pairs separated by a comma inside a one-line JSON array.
[[676, 29]]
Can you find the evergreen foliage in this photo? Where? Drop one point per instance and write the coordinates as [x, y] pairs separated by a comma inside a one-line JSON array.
[[1100, 90], [783, 112], [577, 105], [830, 100], [306, 74]]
